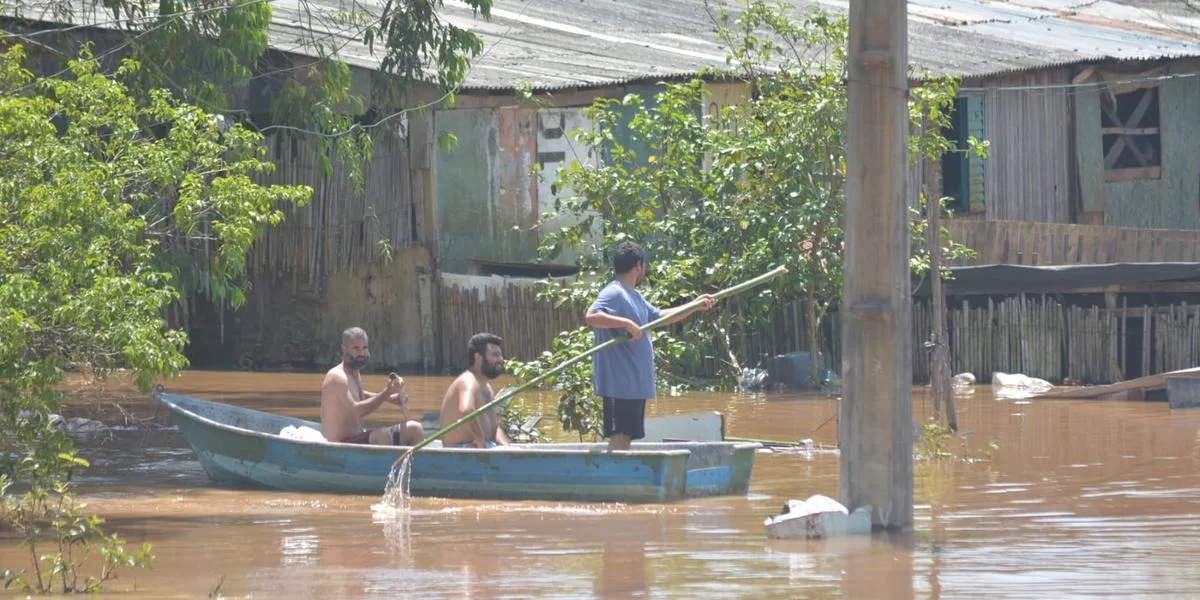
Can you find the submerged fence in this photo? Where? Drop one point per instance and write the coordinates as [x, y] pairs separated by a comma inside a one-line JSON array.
[[1038, 335]]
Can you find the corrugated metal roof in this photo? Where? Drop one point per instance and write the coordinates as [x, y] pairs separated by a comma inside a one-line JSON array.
[[554, 44], [583, 43]]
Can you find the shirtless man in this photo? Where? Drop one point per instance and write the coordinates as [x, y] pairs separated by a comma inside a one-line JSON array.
[[344, 402], [472, 390]]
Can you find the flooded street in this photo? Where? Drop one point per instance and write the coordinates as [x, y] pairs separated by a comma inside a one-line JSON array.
[[1048, 498]]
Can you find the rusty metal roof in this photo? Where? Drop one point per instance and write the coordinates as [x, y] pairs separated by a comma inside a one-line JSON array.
[[555, 44]]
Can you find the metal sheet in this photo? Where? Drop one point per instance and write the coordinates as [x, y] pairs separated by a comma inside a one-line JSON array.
[[553, 44]]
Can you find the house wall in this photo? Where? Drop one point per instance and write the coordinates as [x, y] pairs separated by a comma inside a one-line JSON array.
[[1169, 202], [1028, 172], [485, 194], [322, 269], [488, 198]]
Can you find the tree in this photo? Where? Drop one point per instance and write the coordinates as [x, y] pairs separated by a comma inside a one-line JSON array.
[[208, 54], [94, 184], [760, 184]]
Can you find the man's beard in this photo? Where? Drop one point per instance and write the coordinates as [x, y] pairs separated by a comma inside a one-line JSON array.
[[356, 363], [493, 371]]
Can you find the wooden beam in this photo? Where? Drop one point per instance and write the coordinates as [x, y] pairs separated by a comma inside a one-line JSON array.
[[1129, 130], [1113, 391], [1133, 173], [1140, 288], [875, 428], [1137, 288]]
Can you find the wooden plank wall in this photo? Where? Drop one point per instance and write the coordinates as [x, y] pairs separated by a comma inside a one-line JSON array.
[[1027, 243], [1029, 165]]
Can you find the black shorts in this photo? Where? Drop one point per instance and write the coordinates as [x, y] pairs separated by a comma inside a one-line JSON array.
[[625, 416]]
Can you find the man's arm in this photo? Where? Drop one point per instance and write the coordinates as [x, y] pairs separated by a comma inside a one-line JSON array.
[[677, 313], [333, 389], [501, 437], [371, 402], [466, 404], [598, 319]]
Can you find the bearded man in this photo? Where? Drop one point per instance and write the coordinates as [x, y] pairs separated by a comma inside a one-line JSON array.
[[472, 390], [344, 402]]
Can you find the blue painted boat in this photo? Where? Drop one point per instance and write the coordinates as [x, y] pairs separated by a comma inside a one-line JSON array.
[[241, 447]]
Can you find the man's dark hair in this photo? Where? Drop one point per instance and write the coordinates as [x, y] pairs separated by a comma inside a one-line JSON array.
[[479, 343], [628, 256]]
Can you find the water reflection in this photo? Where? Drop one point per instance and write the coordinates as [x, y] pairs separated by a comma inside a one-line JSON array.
[[298, 547], [622, 570]]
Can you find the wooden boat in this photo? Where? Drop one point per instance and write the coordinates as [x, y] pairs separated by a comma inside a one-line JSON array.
[[241, 447]]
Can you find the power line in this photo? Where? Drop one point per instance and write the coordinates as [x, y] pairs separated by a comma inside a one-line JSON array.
[[1081, 85]]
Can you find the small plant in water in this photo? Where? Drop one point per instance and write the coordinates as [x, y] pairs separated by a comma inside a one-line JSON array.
[[934, 444], [43, 517], [935, 438]]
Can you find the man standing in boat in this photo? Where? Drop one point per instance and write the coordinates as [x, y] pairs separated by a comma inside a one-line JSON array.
[[344, 402], [623, 375], [471, 390]]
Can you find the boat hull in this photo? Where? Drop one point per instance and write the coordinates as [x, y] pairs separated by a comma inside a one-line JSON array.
[[237, 447]]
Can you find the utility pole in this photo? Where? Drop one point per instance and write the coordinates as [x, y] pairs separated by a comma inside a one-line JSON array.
[[875, 428]]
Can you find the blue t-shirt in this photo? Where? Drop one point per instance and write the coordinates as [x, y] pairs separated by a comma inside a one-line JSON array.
[[626, 370]]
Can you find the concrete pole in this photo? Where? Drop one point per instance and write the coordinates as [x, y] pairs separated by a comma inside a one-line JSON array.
[[875, 426]]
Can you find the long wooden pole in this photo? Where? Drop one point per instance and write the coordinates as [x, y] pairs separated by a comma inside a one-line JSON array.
[[875, 427], [939, 360], [737, 289]]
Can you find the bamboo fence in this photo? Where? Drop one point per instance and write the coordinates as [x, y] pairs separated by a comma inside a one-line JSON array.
[[1034, 335], [1177, 337], [338, 228], [512, 311]]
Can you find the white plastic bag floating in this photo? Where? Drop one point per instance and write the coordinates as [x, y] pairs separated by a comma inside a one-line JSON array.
[[303, 433], [963, 379], [818, 517], [1017, 386]]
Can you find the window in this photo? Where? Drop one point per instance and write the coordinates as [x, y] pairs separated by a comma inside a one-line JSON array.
[[963, 175], [1130, 127]]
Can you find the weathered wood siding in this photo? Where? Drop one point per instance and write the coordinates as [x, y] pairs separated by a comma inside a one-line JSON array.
[[1023, 243], [321, 270], [1028, 172]]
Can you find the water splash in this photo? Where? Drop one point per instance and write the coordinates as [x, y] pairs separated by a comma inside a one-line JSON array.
[[396, 492], [397, 528]]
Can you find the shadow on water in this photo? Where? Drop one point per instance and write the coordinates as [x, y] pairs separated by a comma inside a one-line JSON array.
[[1046, 498]]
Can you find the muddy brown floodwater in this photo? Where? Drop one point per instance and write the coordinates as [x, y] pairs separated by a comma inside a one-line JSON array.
[[1077, 498]]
